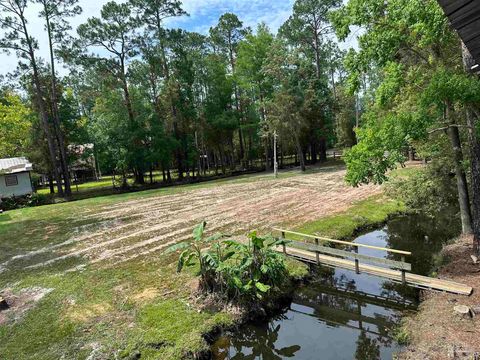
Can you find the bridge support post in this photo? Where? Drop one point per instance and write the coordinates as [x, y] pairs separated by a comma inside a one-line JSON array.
[[317, 254], [357, 265], [283, 245], [404, 280]]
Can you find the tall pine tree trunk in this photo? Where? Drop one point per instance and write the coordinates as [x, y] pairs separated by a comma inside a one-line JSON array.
[[39, 96], [323, 149], [300, 153], [50, 184], [472, 122], [462, 187], [267, 150], [173, 108], [56, 116], [138, 170]]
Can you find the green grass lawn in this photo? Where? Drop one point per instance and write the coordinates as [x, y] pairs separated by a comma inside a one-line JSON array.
[[372, 211], [104, 183], [136, 307]]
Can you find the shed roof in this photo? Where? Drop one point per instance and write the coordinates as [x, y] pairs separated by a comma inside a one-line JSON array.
[[464, 16], [14, 165]]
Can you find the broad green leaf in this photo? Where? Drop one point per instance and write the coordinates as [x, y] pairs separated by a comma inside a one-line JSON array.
[[228, 255], [238, 283], [264, 269], [214, 237], [209, 259], [258, 242], [248, 286], [181, 260], [279, 242], [176, 247], [262, 287], [198, 231], [188, 261]]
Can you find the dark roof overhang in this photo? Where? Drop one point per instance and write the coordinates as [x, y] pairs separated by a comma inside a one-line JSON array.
[[464, 16]]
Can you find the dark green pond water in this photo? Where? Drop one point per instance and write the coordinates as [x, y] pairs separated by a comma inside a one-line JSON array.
[[341, 314]]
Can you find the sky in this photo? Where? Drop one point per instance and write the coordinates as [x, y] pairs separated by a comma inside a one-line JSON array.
[[203, 15]]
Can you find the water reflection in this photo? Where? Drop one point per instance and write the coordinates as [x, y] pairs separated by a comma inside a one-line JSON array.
[[258, 344], [321, 323], [344, 315]]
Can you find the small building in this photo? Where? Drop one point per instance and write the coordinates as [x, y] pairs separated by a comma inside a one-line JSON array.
[[15, 177], [83, 165]]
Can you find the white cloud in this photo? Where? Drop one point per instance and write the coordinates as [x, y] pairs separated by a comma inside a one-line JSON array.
[[203, 15]]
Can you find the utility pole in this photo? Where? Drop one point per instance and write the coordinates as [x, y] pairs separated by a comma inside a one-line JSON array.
[[357, 110], [275, 164]]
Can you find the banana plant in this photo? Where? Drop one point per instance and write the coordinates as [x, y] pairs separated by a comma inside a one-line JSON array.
[[193, 251], [259, 267], [236, 270]]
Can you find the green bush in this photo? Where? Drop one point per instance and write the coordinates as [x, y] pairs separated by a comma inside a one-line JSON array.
[[430, 190], [234, 270], [18, 202]]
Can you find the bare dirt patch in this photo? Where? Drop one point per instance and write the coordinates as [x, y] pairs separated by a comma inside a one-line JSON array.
[[146, 295], [437, 332], [84, 313], [19, 303]]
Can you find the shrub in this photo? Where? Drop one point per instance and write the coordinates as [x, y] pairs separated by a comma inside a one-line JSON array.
[[430, 190], [255, 268], [18, 202], [234, 270]]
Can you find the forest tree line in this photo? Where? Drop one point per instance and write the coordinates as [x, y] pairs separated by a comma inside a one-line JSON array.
[[152, 98]]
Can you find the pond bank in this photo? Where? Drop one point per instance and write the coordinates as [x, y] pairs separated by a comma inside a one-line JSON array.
[[341, 314], [361, 216], [435, 331], [366, 214], [272, 305]]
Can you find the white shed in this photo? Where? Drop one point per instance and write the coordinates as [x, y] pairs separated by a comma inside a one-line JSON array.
[[15, 177]]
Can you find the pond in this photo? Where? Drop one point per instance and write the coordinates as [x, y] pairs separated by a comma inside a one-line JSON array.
[[341, 314]]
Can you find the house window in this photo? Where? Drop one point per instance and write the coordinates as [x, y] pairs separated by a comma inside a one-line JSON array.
[[11, 180]]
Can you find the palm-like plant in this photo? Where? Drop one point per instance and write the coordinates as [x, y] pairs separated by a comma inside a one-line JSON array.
[[237, 270], [193, 252], [257, 267]]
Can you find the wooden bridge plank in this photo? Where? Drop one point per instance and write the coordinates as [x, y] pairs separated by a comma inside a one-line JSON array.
[[349, 243], [337, 252], [395, 275]]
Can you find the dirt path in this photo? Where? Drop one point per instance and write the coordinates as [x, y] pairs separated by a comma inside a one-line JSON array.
[[436, 331], [138, 228]]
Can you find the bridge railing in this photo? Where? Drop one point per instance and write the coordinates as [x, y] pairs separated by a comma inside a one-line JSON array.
[[318, 249]]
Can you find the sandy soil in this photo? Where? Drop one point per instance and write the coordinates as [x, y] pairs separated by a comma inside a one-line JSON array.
[[437, 332], [20, 303], [136, 229]]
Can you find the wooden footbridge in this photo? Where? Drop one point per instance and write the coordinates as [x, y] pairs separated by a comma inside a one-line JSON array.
[[316, 250]]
